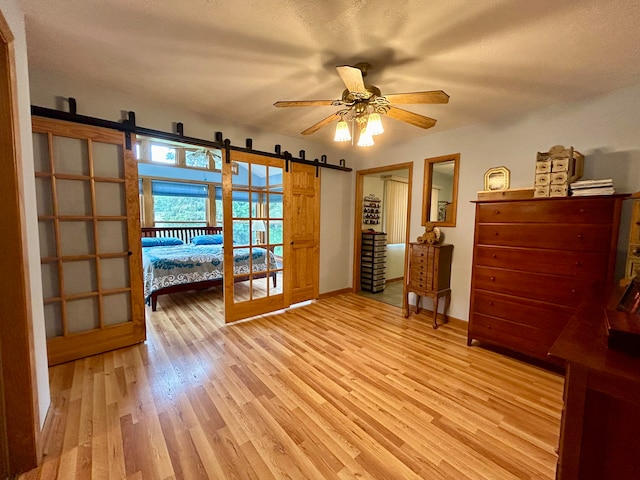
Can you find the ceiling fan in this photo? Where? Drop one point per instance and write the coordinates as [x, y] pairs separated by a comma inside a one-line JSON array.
[[363, 105]]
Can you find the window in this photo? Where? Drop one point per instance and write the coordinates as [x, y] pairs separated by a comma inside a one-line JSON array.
[[179, 204], [150, 150], [163, 154], [396, 199], [196, 158]]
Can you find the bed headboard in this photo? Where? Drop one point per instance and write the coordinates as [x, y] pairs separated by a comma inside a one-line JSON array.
[[183, 233]]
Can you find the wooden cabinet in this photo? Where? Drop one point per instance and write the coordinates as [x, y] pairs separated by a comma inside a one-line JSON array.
[[534, 263], [601, 414], [429, 275], [373, 261]]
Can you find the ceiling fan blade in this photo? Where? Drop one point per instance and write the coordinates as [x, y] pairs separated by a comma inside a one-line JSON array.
[[433, 96], [320, 124], [304, 103], [352, 78], [410, 117]]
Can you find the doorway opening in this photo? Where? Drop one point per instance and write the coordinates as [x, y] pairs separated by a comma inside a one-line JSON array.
[[381, 232]]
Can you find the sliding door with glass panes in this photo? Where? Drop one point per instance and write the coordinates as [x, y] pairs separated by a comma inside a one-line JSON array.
[[87, 195]]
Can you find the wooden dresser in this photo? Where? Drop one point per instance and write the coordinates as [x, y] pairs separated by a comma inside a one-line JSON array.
[[429, 275], [534, 262]]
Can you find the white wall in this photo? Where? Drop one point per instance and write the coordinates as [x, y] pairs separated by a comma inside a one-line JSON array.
[[15, 19], [605, 129], [336, 219]]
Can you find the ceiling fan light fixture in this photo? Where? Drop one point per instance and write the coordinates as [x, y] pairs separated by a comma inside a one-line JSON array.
[[374, 124], [366, 139], [342, 132]]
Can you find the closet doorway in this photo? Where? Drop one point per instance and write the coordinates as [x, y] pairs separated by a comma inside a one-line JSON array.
[[391, 185]]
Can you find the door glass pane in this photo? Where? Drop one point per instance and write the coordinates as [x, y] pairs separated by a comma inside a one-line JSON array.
[[47, 238], [275, 232], [108, 160], [41, 152], [113, 236], [50, 280], [275, 179], [275, 205], [82, 315], [242, 177], [74, 197], [258, 176], [70, 155], [43, 196], [53, 319], [110, 199], [114, 273], [240, 232], [76, 238], [116, 308], [79, 277], [259, 232], [259, 286]]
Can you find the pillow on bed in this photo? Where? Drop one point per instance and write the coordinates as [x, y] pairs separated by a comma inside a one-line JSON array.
[[207, 240], [160, 241]]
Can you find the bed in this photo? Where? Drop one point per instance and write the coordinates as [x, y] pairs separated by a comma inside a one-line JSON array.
[[173, 264]]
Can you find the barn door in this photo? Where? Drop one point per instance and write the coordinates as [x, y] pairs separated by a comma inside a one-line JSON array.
[[255, 257], [303, 219], [87, 194]]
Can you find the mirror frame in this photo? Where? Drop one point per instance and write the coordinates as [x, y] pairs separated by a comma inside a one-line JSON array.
[[426, 188]]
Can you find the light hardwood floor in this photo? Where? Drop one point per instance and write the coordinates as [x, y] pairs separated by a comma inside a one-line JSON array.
[[343, 388]]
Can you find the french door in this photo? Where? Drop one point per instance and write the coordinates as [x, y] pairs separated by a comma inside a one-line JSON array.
[[88, 219], [255, 250]]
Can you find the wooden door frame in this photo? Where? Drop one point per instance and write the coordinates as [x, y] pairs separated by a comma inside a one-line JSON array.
[[16, 334], [357, 226]]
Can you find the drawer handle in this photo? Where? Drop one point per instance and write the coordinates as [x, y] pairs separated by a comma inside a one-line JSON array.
[[573, 290], [495, 256], [496, 234], [636, 251], [493, 279], [578, 264], [497, 212], [491, 303], [579, 235], [582, 210]]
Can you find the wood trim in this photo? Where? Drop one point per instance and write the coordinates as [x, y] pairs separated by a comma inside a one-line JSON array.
[[16, 334]]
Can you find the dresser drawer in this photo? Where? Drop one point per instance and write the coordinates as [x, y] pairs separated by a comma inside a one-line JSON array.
[[522, 338], [556, 262], [583, 238], [522, 310], [422, 283], [536, 286], [570, 210]]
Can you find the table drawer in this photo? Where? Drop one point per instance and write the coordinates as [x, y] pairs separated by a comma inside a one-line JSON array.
[[522, 310], [536, 286], [582, 238], [571, 210], [555, 262]]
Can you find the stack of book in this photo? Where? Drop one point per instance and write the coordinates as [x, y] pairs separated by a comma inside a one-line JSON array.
[[584, 188]]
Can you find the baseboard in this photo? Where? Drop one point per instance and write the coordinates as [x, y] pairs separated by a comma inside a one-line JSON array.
[[391, 280], [335, 292]]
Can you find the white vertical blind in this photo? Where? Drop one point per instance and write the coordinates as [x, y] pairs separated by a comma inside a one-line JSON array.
[[396, 198]]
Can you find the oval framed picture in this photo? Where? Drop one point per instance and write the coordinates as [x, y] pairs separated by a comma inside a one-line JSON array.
[[496, 178]]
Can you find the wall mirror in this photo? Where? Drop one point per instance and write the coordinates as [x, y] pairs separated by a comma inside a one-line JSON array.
[[440, 190]]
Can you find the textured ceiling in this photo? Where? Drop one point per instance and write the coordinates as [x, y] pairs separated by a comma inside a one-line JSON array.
[[234, 58]]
